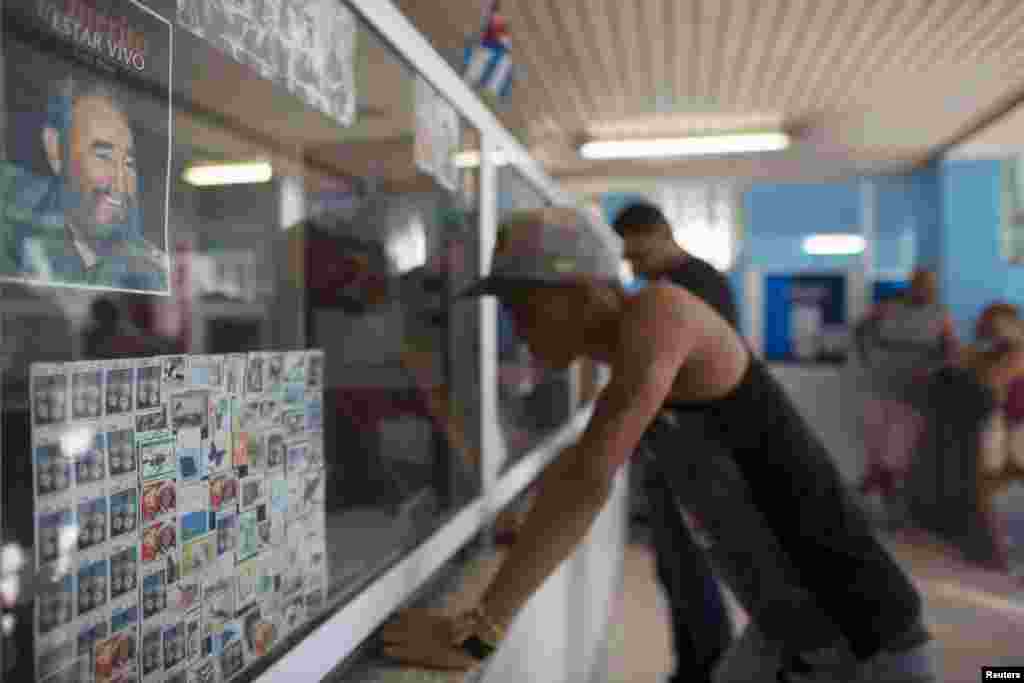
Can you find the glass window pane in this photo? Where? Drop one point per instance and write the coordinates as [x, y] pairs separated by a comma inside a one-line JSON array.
[[533, 401], [208, 227]]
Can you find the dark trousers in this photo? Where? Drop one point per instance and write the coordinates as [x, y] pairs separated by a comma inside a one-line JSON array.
[[817, 541], [685, 467], [701, 627]]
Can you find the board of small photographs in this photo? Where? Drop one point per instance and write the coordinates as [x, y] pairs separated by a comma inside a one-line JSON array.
[[179, 513]]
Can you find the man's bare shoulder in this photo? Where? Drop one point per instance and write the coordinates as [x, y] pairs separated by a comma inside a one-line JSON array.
[[666, 301]]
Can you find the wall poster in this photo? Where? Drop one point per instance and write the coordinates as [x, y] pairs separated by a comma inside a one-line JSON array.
[[84, 183], [180, 535], [308, 46]]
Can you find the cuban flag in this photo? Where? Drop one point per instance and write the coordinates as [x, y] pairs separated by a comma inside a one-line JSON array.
[[487, 63]]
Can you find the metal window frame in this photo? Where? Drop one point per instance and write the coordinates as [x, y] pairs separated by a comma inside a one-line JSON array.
[[342, 634]]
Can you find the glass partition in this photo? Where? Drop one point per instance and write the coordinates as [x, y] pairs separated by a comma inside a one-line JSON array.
[[232, 236], [533, 401]]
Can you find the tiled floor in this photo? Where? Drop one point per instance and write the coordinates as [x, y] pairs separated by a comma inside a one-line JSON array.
[[977, 615]]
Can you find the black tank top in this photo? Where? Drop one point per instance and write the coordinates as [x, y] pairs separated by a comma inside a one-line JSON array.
[[744, 416]]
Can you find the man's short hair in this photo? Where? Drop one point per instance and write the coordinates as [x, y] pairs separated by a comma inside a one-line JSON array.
[[68, 90], [639, 217]]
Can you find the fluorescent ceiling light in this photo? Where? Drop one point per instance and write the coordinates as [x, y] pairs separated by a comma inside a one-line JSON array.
[[471, 159], [834, 245], [241, 173], [703, 145]]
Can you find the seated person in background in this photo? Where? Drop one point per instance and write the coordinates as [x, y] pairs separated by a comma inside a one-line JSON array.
[[900, 344], [996, 361]]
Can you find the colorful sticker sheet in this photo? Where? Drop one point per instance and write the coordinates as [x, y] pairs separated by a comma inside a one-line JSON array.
[[179, 513]]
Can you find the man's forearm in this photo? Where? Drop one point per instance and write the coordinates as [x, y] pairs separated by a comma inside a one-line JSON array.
[[563, 511]]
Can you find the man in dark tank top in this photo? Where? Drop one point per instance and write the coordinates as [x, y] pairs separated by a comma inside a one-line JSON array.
[[701, 627]]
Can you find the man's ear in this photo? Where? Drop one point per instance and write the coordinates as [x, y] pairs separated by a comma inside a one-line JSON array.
[[54, 151]]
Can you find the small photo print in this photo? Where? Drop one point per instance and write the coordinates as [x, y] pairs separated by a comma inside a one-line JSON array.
[[227, 533], [49, 399], [90, 458], [223, 492], [154, 594], [87, 394], [295, 368], [159, 498], [153, 421], [158, 459], [193, 636], [294, 612], [292, 567], [199, 555], [121, 449], [218, 600], [192, 462], [115, 658], [315, 456], [276, 450], [54, 601], [232, 659], [194, 525], [147, 391], [90, 632], [248, 573], [57, 534], [256, 447], [124, 571], [120, 391], [254, 375], [124, 512], [297, 457], [207, 371], [297, 509], [125, 617], [234, 374], [261, 633], [92, 522], [275, 372], [189, 410], [278, 495], [294, 422], [204, 671], [159, 540], [55, 653], [313, 489], [93, 582], [249, 544], [53, 470], [175, 371], [270, 412], [151, 651], [172, 569], [315, 602], [251, 415], [75, 673], [174, 644], [253, 491], [315, 372], [314, 416], [184, 596]]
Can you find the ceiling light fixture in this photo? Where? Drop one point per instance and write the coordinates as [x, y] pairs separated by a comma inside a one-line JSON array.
[[834, 244], [700, 145], [238, 173]]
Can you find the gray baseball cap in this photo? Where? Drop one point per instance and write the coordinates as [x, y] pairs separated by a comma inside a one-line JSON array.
[[549, 246]]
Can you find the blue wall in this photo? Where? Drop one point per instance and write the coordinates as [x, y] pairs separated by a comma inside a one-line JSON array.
[[976, 273]]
